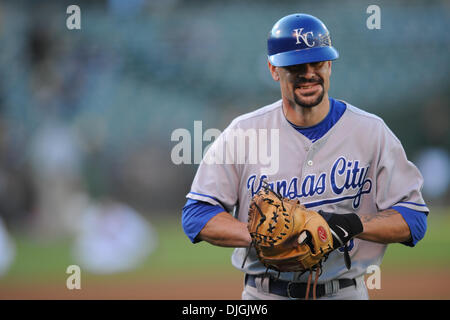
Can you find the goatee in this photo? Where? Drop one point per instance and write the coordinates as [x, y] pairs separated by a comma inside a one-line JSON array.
[[311, 104]]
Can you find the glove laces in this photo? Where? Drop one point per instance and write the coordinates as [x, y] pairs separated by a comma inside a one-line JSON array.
[[308, 285]]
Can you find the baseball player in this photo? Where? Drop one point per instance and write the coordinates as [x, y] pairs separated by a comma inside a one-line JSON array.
[[326, 153]]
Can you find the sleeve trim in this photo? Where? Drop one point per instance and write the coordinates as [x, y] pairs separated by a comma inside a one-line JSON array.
[[207, 198], [419, 207], [205, 195], [416, 204]]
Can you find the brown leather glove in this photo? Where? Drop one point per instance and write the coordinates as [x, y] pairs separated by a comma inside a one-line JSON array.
[[287, 237]]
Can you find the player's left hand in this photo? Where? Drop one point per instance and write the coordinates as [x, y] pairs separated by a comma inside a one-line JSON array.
[[343, 227]]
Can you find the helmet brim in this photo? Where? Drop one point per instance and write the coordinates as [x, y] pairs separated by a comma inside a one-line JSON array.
[[311, 55]]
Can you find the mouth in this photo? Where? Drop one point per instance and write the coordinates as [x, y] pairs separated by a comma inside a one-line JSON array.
[[308, 88]]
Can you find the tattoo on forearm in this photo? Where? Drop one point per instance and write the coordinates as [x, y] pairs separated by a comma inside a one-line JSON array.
[[379, 216], [385, 227]]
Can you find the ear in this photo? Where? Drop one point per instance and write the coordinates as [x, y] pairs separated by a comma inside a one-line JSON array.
[[329, 66], [273, 71]]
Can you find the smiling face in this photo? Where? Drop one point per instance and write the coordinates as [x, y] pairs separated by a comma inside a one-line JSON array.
[[304, 85]]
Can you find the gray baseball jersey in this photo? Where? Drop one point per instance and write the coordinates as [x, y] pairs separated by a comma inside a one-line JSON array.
[[357, 166]]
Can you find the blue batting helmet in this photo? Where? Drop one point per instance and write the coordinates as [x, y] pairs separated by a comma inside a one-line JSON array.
[[297, 39]]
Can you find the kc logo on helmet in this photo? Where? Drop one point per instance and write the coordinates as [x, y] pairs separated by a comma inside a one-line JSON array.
[[304, 36]]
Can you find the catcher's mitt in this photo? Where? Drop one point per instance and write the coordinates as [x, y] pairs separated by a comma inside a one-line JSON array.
[[287, 236]]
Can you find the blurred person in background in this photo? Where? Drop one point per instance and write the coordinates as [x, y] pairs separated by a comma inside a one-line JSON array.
[[7, 249], [112, 237], [56, 150], [434, 159], [434, 164], [56, 174]]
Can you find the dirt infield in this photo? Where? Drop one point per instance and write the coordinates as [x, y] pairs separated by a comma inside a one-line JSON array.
[[394, 285]]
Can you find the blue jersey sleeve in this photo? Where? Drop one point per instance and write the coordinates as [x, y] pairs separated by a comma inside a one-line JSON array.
[[417, 223], [195, 216]]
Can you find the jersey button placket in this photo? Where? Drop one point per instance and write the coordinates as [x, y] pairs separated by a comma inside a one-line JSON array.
[[307, 165]]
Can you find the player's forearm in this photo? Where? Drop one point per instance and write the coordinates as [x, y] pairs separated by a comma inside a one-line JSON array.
[[386, 226], [225, 231]]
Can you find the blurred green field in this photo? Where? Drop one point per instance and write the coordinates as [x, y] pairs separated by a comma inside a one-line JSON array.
[[175, 256]]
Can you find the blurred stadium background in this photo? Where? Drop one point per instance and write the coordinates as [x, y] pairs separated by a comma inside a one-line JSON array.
[[86, 118]]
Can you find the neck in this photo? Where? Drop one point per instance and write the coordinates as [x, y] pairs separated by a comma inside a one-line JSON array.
[[306, 117]]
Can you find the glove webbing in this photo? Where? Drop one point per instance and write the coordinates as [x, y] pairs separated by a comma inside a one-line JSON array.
[[266, 187]]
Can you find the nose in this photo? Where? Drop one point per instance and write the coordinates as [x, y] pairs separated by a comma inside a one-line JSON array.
[[309, 70]]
